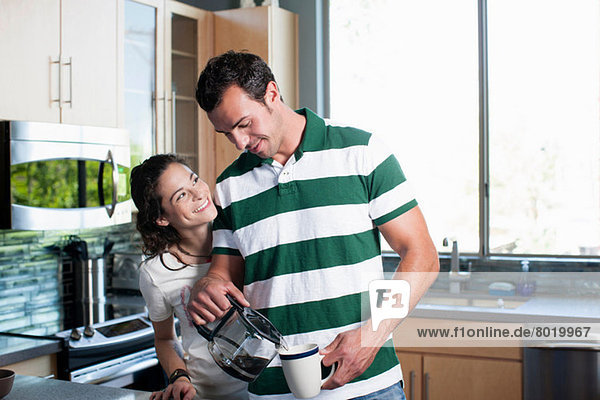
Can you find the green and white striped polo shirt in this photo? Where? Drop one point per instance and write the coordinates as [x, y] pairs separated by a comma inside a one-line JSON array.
[[308, 234]]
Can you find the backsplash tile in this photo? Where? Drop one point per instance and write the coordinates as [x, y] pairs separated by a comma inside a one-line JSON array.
[[31, 289]]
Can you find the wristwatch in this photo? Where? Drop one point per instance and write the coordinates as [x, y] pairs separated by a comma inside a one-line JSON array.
[[178, 373]]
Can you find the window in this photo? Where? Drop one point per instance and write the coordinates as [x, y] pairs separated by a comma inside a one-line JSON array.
[[417, 73]]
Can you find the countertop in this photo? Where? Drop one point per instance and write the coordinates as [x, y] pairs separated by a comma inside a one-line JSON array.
[[30, 387], [548, 309], [15, 348]]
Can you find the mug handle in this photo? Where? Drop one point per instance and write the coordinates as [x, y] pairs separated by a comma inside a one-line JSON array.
[[332, 367]]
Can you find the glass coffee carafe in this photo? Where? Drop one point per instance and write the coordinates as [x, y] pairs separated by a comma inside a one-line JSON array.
[[243, 342]]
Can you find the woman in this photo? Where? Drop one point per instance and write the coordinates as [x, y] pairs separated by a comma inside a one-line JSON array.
[[174, 220]]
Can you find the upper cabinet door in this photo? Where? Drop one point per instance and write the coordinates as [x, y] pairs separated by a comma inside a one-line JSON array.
[[189, 45], [29, 43], [143, 64], [62, 61], [269, 32], [92, 73]]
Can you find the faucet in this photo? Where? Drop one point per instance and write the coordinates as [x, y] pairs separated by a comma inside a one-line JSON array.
[[456, 277], [454, 264]]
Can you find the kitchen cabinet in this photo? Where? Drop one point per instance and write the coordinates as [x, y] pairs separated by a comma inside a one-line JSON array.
[[189, 45], [62, 61], [43, 366], [161, 113], [134, 64], [432, 373], [166, 45], [144, 76], [270, 32], [30, 46], [431, 376], [412, 371]]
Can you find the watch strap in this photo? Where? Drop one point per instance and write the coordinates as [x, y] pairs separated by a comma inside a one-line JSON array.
[[178, 373]]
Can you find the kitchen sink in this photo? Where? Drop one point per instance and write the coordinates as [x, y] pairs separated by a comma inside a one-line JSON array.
[[473, 302]]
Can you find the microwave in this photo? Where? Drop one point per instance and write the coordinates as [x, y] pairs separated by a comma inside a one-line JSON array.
[[59, 176]]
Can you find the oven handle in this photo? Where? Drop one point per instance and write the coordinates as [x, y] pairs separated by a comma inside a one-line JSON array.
[[115, 371]]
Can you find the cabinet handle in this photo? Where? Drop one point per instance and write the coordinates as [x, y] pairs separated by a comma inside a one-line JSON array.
[[59, 100], [411, 387], [70, 64], [426, 389], [164, 143], [174, 120]]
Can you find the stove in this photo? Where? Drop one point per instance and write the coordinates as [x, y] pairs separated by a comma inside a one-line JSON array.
[[118, 353], [108, 337]]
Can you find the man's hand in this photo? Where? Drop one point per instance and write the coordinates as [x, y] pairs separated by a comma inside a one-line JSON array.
[[207, 299], [181, 389], [354, 351]]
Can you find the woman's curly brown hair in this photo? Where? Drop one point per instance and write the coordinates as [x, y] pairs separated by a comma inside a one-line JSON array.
[[144, 180]]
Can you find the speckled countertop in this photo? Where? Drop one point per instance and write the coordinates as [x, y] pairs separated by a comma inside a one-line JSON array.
[[29, 387]]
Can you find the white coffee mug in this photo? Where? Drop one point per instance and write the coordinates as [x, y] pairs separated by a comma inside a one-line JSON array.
[[302, 370]]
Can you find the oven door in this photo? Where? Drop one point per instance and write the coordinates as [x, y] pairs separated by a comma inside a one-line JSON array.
[[140, 371]]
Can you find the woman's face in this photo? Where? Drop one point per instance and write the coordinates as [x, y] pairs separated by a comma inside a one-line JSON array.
[[185, 199]]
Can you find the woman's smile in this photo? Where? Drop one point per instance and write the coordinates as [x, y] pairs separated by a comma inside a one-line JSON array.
[[202, 207]]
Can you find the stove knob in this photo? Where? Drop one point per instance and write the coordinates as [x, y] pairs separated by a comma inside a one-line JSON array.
[[75, 335], [89, 331]]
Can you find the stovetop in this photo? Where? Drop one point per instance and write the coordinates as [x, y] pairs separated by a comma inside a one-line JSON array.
[[113, 332]]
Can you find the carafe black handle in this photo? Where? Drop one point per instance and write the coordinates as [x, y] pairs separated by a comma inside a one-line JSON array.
[[207, 333], [234, 302]]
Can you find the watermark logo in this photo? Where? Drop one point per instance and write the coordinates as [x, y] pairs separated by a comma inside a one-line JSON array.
[[388, 299]]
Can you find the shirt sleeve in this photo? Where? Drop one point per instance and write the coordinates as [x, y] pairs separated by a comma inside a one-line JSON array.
[[389, 192], [223, 239], [159, 308]]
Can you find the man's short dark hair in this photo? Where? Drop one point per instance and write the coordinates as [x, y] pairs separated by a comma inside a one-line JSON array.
[[246, 70]]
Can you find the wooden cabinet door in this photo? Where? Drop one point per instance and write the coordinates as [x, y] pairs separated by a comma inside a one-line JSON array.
[[269, 32], [412, 374], [92, 72], [189, 45], [43, 366], [471, 378], [29, 42]]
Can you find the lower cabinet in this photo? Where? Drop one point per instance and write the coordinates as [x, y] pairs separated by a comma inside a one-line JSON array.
[[412, 371], [43, 366], [462, 373]]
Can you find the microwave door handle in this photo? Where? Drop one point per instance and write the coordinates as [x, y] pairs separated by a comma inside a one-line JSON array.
[[115, 181]]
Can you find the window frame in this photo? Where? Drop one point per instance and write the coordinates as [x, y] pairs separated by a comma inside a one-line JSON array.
[[484, 136]]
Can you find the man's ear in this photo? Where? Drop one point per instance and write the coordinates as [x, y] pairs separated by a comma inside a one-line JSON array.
[[162, 221], [271, 93]]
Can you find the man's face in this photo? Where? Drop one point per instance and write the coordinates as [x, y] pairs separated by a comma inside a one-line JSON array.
[[247, 123]]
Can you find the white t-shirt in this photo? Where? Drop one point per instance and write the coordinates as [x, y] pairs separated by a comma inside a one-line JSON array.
[[167, 292]]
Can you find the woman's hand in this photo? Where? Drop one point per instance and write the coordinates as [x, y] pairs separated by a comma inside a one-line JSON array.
[[181, 389]]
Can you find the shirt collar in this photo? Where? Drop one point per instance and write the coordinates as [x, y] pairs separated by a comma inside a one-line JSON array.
[[314, 133], [313, 138]]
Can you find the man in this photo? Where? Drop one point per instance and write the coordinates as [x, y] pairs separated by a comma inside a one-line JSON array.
[[300, 213]]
